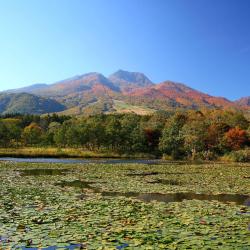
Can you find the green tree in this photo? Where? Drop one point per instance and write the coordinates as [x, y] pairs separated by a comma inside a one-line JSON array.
[[172, 139], [113, 133], [194, 134], [4, 135], [13, 126]]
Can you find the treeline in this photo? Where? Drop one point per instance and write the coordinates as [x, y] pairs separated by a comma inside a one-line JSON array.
[[191, 134]]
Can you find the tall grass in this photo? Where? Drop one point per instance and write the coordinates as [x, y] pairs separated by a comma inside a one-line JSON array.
[[65, 152]]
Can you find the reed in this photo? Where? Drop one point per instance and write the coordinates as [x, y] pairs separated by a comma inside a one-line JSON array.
[[53, 152]]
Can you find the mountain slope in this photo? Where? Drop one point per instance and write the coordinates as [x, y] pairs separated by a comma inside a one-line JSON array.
[[29, 89], [243, 102], [175, 95], [27, 103], [77, 84]]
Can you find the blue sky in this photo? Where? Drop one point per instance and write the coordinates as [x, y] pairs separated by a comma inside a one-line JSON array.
[[203, 43]]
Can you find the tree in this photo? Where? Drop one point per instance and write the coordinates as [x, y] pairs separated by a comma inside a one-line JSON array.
[[72, 135], [32, 134], [113, 132], [95, 132], [152, 138], [236, 138], [215, 136], [14, 130], [195, 133], [59, 137], [172, 139], [4, 135], [133, 137], [138, 141]]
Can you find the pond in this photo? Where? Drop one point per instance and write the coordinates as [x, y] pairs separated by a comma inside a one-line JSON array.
[[82, 161], [123, 206]]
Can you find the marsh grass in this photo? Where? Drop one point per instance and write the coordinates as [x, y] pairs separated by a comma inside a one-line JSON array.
[[53, 152]]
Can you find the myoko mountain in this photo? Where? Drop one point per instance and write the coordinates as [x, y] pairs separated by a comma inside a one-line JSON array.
[[122, 91]]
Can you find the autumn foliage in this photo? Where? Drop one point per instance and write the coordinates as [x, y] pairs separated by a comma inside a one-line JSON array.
[[236, 138], [204, 134]]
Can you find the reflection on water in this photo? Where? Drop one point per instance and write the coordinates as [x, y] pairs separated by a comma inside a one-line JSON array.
[[69, 247], [239, 199], [178, 197], [166, 182], [42, 171], [143, 174], [76, 183]]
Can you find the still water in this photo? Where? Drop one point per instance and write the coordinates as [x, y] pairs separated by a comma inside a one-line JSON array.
[[82, 161]]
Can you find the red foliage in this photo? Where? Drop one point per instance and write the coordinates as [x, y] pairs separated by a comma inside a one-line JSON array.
[[215, 133], [152, 137], [236, 138]]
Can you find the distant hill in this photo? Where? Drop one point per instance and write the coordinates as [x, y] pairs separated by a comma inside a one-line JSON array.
[[27, 103], [123, 91]]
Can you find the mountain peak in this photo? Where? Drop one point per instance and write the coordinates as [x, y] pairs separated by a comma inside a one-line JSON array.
[[125, 79]]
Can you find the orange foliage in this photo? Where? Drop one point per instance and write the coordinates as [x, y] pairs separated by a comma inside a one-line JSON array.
[[236, 138]]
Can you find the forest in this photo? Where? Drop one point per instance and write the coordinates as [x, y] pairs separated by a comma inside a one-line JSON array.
[[187, 135]]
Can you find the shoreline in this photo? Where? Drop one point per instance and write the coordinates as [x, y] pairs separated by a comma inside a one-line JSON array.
[[78, 153]]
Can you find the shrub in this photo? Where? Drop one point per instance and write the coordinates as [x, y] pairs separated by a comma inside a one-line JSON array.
[[238, 156], [167, 157], [208, 155]]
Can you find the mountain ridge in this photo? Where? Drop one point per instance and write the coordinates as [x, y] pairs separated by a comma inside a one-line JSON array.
[[93, 91]]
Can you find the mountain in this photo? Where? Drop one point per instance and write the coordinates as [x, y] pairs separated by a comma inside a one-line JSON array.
[[127, 81], [243, 102], [123, 91], [28, 104]]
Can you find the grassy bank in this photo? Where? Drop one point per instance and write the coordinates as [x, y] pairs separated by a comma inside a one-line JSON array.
[[52, 152]]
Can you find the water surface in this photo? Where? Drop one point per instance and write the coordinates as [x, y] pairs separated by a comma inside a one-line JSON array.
[[82, 161]]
